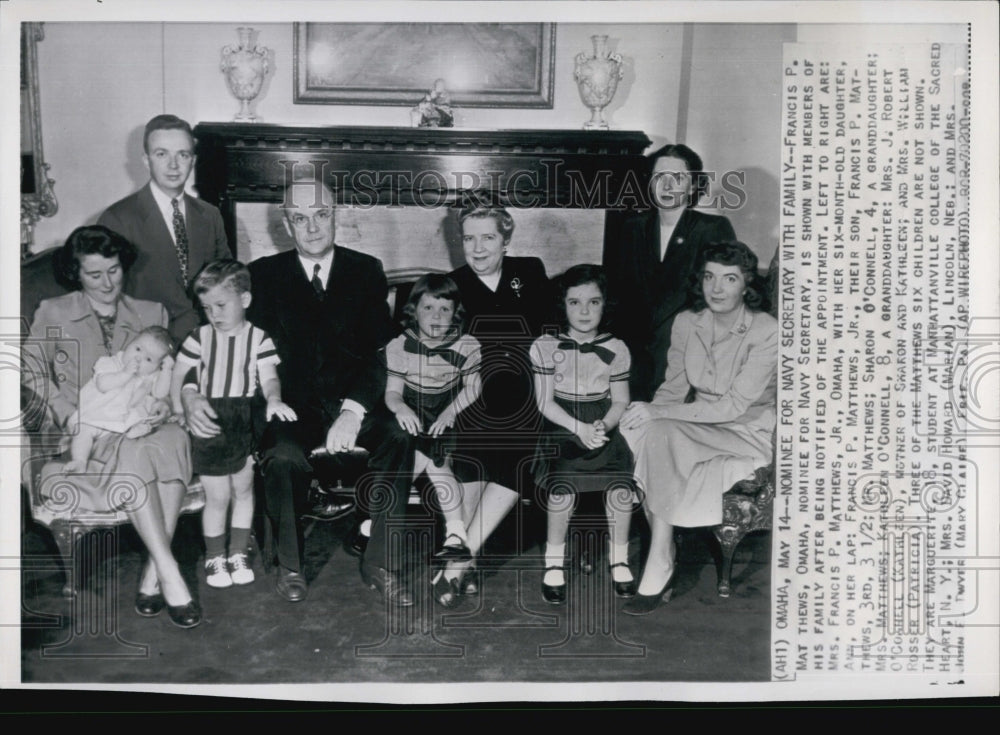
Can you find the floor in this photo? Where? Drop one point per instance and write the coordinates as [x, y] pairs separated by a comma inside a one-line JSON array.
[[343, 632]]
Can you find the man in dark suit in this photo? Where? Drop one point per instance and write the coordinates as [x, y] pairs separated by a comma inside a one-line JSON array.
[[326, 309], [650, 256], [175, 234]]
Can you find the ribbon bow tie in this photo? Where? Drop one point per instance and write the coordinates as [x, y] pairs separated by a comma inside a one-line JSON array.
[[603, 353], [416, 347]]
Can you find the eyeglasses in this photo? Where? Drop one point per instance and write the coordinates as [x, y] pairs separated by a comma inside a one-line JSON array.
[[301, 221]]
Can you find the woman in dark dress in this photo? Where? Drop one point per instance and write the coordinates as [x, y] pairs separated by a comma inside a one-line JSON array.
[[650, 258], [506, 299]]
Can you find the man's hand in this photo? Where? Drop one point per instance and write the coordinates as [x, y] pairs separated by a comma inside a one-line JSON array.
[[199, 415], [344, 433]]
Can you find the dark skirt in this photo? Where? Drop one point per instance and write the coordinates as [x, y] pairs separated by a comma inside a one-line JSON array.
[[227, 452], [428, 408], [563, 465], [497, 435]]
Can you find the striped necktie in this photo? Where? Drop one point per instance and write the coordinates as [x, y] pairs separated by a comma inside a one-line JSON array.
[[316, 283], [180, 239]]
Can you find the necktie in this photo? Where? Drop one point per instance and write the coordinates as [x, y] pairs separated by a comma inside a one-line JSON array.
[[416, 347], [603, 353], [180, 239], [316, 283]]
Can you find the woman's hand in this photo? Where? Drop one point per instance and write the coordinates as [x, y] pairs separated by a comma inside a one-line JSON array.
[[444, 422], [637, 415], [199, 415], [138, 430], [591, 435], [159, 412], [408, 420]]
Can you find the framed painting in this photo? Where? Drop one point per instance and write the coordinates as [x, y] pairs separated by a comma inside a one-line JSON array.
[[483, 64]]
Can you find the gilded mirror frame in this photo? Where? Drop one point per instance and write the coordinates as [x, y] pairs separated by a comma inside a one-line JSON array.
[[37, 196]]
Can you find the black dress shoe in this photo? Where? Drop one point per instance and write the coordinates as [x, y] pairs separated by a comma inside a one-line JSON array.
[[645, 604], [389, 585], [290, 585], [185, 616], [149, 606], [453, 552], [356, 543], [446, 591], [331, 507], [468, 584], [554, 594], [624, 589]]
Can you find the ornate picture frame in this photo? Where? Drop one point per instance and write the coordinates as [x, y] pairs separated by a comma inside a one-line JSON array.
[[37, 196], [483, 64]]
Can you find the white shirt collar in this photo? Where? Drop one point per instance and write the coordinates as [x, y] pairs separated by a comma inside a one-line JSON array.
[[165, 204], [325, 264]]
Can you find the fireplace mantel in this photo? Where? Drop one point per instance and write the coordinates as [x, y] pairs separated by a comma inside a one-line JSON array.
[[370, 166]]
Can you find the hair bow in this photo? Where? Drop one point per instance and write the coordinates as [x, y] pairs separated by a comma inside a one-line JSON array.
[[606, 356], [416, 347]]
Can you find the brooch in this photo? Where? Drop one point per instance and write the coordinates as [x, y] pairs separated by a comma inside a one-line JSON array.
[[516, 285], [741, 329]]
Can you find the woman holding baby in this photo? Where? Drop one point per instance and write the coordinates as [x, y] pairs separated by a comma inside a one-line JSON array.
[[141, 466]]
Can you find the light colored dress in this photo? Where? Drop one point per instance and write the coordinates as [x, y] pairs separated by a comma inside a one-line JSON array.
[[687, 460], [66, 341], [582, 374]]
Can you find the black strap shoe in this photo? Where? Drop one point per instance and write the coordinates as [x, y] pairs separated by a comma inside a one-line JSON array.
[[624, 589], [554, 594]]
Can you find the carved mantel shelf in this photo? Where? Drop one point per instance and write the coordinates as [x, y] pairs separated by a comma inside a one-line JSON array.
[[369, 165]]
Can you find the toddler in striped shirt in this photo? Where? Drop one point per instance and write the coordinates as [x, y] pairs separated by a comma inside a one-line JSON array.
[[232, 363]]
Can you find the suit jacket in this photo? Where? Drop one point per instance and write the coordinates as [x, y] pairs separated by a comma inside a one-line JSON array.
[[735, 380], [329, 347], [156, 274], [650, 292], [66, 341]]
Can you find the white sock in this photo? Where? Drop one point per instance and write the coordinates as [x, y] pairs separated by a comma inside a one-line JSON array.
[[555, 556], [455, 528], [618, 554], [366, 527]]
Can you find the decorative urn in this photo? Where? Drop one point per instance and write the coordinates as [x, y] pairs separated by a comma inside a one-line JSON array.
[[597, 79], [245, 67]]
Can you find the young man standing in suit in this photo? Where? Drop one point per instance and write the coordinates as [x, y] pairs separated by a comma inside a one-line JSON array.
[[326, 309], [175, 234]]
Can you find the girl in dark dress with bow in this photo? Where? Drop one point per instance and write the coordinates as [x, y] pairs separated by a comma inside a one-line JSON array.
[[433, 375], [581, 386]]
